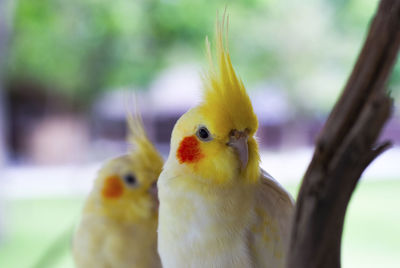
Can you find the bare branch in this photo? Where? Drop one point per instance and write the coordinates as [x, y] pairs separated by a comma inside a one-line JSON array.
[[346, 146]]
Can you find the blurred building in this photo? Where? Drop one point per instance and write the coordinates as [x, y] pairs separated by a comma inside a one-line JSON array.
[[43, 126], [47, 128]]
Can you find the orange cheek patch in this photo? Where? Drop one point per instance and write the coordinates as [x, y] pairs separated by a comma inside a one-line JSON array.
[[189, 150], [112, 188]]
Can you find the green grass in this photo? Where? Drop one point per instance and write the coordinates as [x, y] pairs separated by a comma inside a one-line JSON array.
[[33, 227], [371, 235], [372, 227]]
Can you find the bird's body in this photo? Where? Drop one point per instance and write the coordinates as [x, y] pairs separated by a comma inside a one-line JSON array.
[[236, 225], [118, 227], [217, 207], [200, 227], [110, 243]]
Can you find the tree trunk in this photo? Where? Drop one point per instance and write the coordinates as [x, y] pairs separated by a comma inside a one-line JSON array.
[[346, 146]]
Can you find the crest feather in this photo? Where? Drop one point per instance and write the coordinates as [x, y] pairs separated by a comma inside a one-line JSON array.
[[225, 98], [142, 146]]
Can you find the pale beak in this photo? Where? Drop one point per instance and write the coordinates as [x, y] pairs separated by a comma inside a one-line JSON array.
[[238, 141], [153, 190]]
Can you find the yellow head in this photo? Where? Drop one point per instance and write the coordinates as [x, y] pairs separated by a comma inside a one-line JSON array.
[[126, 186], [215, 140]]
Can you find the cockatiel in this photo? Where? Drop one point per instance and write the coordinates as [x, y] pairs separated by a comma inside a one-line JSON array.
[[119, 220], [217, 207]]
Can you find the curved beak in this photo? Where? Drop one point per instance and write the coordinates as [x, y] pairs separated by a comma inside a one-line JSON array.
[[153, 190], [238, 141]]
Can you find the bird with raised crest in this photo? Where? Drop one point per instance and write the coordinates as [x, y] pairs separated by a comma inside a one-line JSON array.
[[218, 208], [118, 227]]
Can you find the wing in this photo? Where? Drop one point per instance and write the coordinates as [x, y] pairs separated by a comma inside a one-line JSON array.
[[270, 232]]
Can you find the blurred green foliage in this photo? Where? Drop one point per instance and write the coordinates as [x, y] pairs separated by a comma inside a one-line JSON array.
[[82, 47]]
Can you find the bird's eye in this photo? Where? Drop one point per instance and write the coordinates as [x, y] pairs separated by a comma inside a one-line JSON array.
[[203, 134], [130, 179]]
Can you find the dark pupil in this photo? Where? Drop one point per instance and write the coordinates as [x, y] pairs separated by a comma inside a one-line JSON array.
[[130, 179], [203, 133]]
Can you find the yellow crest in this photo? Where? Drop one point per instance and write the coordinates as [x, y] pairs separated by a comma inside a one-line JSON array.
[[225, 99], [148, 155]]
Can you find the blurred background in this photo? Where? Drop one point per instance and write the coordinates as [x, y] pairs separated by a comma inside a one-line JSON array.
[[67, 69]]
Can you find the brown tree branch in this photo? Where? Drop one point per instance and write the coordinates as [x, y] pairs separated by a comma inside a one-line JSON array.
[[346, 146]]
